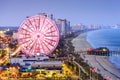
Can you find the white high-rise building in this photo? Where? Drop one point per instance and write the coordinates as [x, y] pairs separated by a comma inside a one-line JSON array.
[[64, 26]]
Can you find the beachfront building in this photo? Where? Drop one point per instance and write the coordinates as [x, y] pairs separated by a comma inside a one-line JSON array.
[[93, 26], [64, 27], [78, 27]]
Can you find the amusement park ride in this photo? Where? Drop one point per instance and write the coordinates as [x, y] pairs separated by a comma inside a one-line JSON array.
[[37, 35]]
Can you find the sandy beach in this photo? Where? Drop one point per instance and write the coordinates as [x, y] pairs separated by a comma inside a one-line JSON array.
[[102, 63]]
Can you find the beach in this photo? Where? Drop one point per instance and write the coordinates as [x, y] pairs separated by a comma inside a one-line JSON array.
[[104, 66]]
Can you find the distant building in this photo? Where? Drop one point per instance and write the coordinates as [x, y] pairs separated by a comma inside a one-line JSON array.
[[15, 35], [47, 15], [78, 27], [81, 26], [117, 26]]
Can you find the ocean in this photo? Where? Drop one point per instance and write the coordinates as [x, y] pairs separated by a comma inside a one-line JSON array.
[[109, 38]]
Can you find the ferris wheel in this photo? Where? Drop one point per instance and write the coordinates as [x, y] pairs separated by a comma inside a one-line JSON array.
[[38, 34]]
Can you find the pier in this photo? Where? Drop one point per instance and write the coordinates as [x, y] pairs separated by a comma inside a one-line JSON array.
[[110, 53]]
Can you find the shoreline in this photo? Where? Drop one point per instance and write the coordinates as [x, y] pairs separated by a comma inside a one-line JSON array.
[[102, 63]]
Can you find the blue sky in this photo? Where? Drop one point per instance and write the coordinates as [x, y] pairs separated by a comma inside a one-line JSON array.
[[106, 12]]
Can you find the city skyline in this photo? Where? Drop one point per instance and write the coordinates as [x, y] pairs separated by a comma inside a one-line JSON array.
[[105, 12]]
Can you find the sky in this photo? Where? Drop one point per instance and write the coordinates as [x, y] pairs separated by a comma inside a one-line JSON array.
[[105, 12]]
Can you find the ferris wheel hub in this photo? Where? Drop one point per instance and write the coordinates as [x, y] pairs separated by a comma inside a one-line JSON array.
[[38, 36]]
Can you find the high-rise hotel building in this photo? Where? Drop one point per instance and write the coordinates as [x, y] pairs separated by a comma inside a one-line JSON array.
[[64, 27]]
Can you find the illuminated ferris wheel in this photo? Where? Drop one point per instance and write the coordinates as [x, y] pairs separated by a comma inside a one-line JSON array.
[[38, 34]]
